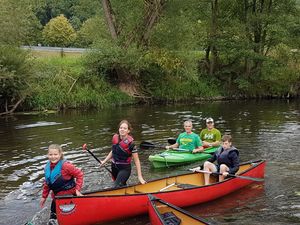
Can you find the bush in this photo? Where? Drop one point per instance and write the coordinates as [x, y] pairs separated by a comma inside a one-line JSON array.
[[63, 83], [15, 76], [59, 32], [91, 30], [161, 74]]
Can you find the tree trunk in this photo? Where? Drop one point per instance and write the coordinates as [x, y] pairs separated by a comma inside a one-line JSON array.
[[213, 37], [110, 19], [153, 9]]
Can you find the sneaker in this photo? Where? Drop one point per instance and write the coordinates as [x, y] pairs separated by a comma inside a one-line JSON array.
[[53, 215], [52, 222]]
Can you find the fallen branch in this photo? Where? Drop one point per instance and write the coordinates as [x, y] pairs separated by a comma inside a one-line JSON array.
[[14, 107]]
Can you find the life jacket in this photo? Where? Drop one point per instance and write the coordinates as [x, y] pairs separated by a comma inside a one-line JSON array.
[[122, 149], [223, 156], [55, 180]]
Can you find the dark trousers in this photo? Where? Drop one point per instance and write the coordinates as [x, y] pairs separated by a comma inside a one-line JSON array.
[[53, 210], [120, 173]]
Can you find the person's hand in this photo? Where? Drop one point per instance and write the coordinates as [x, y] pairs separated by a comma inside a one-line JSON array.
[[225, 174], [142, 181], [195, 169], [206, 144], [168, 147], [101, 163], [198, 150], [42, 202], [78, 193]]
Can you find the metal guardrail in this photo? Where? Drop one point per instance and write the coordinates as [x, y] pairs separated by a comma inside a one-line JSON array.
[[55, 49]]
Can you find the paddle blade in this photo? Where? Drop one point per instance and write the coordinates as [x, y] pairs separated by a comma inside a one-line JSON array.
[[171, 141], [248, 178], [84, 147], [146, 145]]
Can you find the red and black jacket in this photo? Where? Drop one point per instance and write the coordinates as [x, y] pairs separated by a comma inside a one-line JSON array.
[[122, 149]]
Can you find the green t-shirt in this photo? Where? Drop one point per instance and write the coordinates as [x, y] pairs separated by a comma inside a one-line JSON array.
[[210, 135], [189, 141]]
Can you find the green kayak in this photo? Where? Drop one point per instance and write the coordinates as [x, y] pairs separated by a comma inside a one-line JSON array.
[[176, 157]]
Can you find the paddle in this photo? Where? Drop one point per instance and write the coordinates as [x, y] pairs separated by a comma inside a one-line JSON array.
[[229, 175], [171, 141], [84, 147], [146, 145]]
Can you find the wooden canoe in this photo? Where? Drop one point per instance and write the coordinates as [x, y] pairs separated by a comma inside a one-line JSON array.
[[164, 213], [181, 190]]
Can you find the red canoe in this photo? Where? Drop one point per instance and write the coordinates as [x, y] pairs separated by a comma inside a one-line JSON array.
[[163, 213], [181, 190]]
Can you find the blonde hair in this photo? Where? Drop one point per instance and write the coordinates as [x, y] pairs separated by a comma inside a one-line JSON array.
[[57, 147]]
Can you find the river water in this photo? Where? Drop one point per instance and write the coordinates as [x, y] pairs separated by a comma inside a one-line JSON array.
[[265, 129]]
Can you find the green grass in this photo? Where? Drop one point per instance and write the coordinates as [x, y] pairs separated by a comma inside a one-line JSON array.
[[47, 54], [64, 83]]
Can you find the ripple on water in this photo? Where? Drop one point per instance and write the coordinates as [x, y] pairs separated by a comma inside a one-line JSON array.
[[37, 124]]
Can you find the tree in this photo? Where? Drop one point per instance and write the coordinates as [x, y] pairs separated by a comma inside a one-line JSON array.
[[15, 78], [92, 30], [130, 24], [59, 32], [18, 23]]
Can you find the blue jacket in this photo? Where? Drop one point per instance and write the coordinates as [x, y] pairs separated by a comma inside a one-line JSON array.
[[55, 180], [229, 157]]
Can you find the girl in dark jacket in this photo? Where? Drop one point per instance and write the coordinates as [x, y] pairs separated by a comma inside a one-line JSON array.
[[227, 157]]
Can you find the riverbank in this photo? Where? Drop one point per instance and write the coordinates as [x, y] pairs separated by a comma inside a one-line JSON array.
[[85, 80], [66, 85]]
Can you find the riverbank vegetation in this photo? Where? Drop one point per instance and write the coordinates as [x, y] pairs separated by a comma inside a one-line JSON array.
[[147, 51]]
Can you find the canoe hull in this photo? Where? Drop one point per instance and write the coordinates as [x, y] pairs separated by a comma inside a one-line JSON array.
[[176, 158], [97, 208], [157, 207]]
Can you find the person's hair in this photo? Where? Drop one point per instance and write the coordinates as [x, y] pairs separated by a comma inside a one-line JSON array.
[[188, 122], [126, 122], [226, 137], [57, 147]]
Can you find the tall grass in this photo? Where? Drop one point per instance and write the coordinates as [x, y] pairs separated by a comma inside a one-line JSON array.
[[62, 83]]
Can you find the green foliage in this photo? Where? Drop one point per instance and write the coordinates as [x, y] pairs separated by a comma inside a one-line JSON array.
[[257, 51], [18, 23], [79, 9], [164, 75], [86, 9], [15, 75], [106, 57], [92, 30], [172, 76], [129, 14], [62, 83], [75, 22], [281, 75], [59, 32], [178, 27]]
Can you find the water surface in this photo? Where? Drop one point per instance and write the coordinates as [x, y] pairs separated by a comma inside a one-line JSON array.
[[261, 130]]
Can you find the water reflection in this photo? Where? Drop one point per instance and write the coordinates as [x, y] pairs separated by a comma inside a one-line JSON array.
[[261, 129]]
